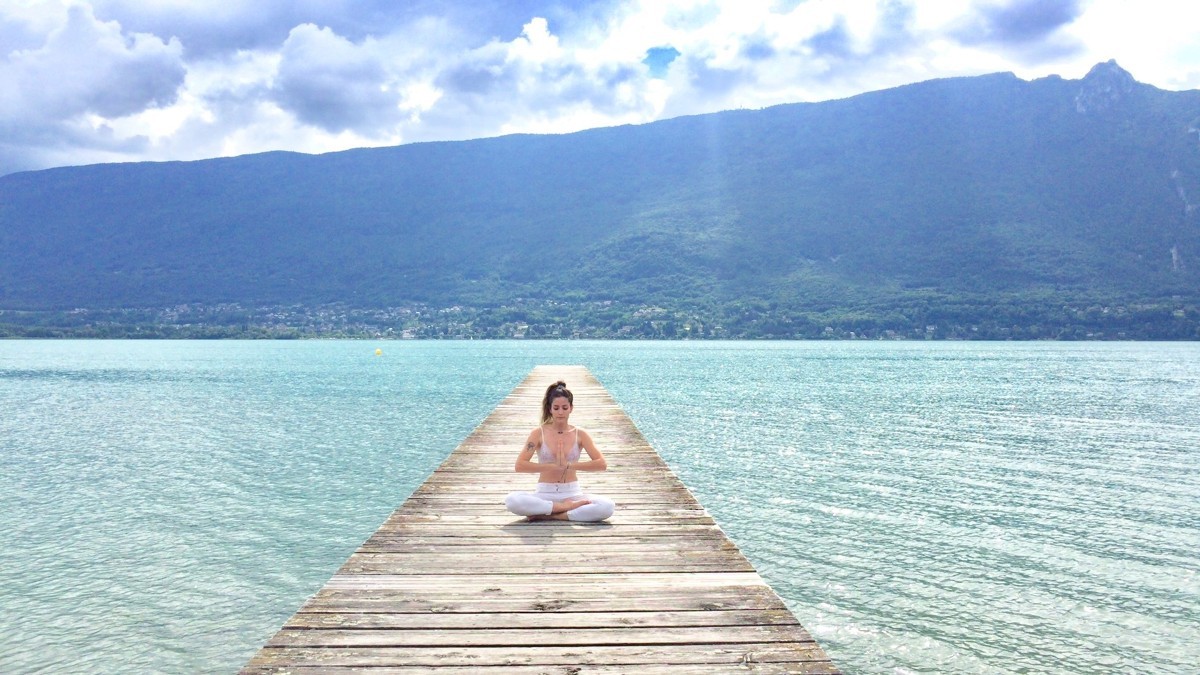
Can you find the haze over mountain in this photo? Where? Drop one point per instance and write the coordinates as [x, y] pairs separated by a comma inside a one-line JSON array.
[[950, 201]]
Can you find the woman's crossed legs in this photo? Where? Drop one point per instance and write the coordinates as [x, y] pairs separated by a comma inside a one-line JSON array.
[[567, 505]]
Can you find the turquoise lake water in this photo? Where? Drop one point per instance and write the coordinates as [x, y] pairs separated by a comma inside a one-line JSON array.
[[921, 507]]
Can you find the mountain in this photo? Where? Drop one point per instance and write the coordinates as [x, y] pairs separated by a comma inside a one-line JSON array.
[[955, 202]]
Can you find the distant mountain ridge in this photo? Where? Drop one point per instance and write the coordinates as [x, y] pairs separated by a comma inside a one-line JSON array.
[[938, 201]]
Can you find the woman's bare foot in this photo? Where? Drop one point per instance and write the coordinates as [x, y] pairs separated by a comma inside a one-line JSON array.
[[568, 505], [559, 510]]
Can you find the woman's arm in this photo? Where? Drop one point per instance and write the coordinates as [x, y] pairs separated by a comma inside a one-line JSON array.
[[525, 463], [596, 460]]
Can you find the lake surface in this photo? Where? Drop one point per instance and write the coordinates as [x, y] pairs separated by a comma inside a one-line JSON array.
[[953, 507]]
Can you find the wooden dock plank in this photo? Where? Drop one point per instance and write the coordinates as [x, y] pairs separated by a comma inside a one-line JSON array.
[[503, 636], [799, 657], [591, 669], [402, 603], [451, 582], [558, 620]]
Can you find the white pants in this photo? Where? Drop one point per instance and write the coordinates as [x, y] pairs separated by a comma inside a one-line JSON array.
[[541, 503]]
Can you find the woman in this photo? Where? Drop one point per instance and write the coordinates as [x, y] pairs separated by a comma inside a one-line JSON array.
[[558, 445]]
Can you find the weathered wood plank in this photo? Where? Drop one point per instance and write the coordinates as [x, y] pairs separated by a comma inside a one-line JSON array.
[[517, 560], [481, 501], [498, 635], [725, 656], [404, 567], [451, 582], [590, 669], [557, 620], [543, 547], [435, 603], [444, 518], [578, 581], [517, 531]]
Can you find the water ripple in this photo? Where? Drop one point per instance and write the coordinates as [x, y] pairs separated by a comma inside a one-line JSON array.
[[947, 509]]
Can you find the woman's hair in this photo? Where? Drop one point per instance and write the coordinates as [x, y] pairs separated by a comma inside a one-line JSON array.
[[556, 390]]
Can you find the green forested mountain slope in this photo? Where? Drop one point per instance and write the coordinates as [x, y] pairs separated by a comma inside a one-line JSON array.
[[949, 200]]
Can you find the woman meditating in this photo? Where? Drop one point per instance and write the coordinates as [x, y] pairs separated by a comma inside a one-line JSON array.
[[558, 445]]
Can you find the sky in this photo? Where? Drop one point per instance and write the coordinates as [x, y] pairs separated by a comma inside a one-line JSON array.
[[89, 81]]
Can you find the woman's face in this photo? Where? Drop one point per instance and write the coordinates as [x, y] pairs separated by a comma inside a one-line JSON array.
[[560, 408]]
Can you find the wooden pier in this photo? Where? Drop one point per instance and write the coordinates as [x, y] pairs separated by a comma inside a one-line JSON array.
[[452, 583]]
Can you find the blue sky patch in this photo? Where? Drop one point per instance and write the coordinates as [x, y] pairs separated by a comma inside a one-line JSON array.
[[658, 58]]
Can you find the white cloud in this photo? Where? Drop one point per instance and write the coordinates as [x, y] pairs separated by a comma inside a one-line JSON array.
[[536, 83], [417, 98], [333, 84], [1159, 42], [89, 66], [536, 44], [57, 97], [187, 79]]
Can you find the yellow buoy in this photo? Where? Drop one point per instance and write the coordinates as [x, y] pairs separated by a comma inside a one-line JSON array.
[[378, 352]]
